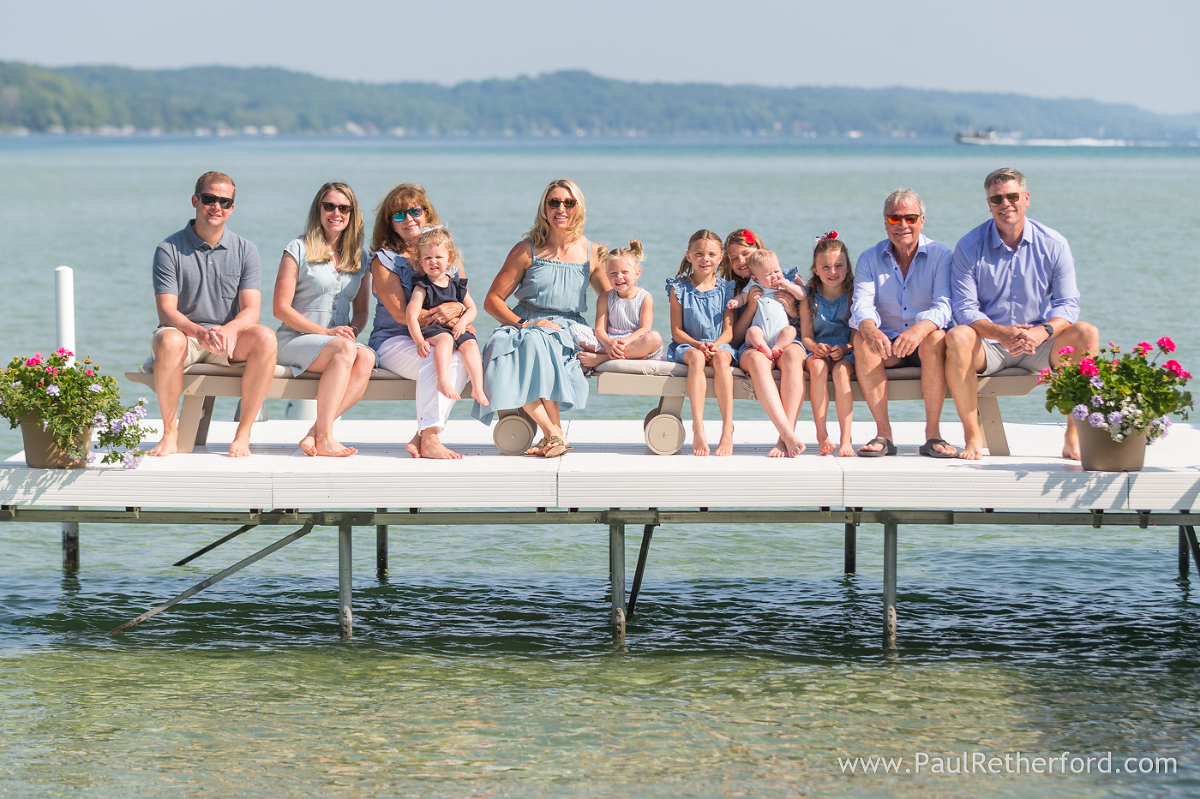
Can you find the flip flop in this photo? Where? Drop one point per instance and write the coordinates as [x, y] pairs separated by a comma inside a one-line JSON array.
[[927, 449], [556, 446], [888, 448], [538, 449]]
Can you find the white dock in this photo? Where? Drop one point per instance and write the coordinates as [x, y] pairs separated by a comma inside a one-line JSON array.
[[610, 466], [610, 478]]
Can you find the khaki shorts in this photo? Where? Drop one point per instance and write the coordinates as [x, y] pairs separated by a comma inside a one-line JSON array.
[[997, 358], [196, 353]]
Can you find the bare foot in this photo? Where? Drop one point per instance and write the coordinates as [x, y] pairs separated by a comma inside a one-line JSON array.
[[825, 445], [432, 447], [775, 353], [240, 448], [446, 388], [332, 448], [725, 445], [765, 350], [414, 447], [591, 360], [308, 444], [846, 450], [1071, 443], [480, 397], [973, 451], [587, 347], [167, 445], [699, 440], [779, 450]]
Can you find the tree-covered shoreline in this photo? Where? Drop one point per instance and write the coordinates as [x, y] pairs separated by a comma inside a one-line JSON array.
[[230, 100]]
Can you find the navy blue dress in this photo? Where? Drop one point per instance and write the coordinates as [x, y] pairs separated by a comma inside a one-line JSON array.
[[435, 295]]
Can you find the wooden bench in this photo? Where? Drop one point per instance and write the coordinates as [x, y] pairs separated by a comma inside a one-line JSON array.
[[514, 430], [203, 383]]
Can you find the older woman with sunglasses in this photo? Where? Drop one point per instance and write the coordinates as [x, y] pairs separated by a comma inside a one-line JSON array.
[[531, 361], [399, 219], [321, 304]]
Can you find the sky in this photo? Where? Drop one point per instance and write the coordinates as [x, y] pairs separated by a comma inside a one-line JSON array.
[[1142, 54]]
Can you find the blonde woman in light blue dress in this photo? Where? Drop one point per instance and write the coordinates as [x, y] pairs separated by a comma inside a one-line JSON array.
[[321, 295], [531, 361]]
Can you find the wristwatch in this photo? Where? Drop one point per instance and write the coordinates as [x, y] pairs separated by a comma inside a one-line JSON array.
[[1049, 328]]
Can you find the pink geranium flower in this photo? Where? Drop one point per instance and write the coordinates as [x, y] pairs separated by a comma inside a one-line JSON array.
[[1066, 351], [90, 373], [63, 351], [1166, 345], [1044, 375], [1087, 368], [1174, 368], [1143, 348]]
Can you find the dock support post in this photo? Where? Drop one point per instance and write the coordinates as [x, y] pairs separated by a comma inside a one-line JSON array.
[[70, 544], [345, 570], [1194, 545], [643, 553], [850, 555], [381, 546], [889, 585], [1185, 566], [616, 568]]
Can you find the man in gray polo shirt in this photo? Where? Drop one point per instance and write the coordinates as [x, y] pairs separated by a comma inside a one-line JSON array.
[[207, 289]]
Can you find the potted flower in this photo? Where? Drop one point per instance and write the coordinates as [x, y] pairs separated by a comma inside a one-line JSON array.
[[58, 404], [1121, 404]]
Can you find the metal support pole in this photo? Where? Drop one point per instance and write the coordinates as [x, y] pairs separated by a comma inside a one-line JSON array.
[[1195, 546], [245, 528], [616, 567], [889, 585], [1185, 566], [345, 572], [381, 546], [643, 553], [850, 556], [70, 546]]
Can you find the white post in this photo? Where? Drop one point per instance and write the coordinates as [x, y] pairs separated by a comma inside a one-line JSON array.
[[64, 318], [64, 307]]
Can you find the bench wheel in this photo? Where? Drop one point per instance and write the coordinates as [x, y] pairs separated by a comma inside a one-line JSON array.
[[664, 434], [513, 434], [649, 416]]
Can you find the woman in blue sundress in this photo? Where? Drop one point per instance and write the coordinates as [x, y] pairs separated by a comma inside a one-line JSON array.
[[531, 360]]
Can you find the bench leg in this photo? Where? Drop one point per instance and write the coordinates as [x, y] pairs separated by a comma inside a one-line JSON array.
[[992, 426], [672, 406], [193, 420]]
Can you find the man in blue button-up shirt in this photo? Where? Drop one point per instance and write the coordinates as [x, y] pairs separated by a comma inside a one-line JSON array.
[[900, 312], [1012, 286]]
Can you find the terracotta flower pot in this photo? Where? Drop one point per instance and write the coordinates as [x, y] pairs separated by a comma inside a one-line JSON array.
[[1099, 453], [42, 453]]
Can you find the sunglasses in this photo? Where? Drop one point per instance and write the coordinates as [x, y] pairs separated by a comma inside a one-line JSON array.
[[414, 212], [331, 207], [894, 219], [554, 202], [212, 199], [998, 199]]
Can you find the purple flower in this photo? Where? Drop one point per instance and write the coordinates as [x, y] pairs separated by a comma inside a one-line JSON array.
[[1096, 382], [1097, 400], [115, 425], [1080, 412], [128, 419], [132, 460], [95, 387], [1114, 418], [1164, 423], [100, 420], [141, 400], [92, 458], [139, 411], [53, 390], [1096, 420]]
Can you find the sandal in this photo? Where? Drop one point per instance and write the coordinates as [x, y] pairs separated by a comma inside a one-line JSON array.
[[538, 449], [888, 448], [927, 449], [556, 446]]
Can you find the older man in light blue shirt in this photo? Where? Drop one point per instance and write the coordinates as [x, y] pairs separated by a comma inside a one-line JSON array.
[[1013, 290], [900, 312]]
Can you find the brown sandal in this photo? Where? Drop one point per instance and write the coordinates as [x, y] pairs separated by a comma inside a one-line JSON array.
[[538, 449], [556, 446]]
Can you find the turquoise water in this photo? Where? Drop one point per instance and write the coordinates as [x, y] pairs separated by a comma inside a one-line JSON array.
[[482, 663]]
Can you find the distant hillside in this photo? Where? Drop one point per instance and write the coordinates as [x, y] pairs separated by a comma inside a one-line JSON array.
[[227, 99]]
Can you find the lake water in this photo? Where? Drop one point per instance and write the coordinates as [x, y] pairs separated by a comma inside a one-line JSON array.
[[482, 664]]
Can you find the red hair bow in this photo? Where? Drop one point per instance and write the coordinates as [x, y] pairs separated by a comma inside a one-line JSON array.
[[750, 238], [828, 236]]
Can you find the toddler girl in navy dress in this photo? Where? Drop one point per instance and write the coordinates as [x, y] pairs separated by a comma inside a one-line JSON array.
[[825, 333], [436, 253]]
